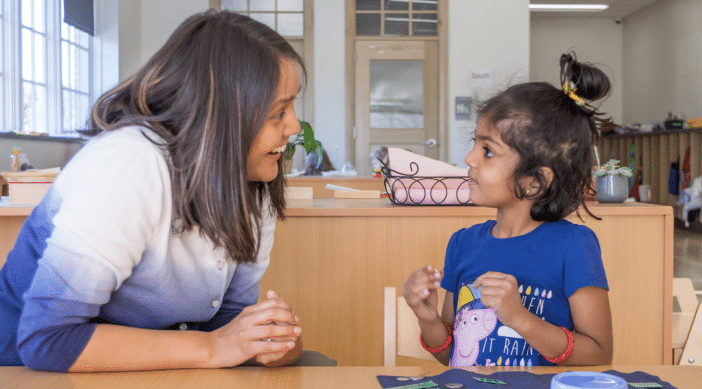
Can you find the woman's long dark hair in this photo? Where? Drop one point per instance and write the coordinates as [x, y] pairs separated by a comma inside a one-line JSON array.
[[548, 128], [207, 93]]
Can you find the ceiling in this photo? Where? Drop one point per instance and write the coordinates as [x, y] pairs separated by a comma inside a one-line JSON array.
[[618, 9]]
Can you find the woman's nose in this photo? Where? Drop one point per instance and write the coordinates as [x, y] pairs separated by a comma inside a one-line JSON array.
[[293, 125]]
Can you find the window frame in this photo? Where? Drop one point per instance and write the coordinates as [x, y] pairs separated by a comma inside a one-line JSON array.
[[384, 13], [12, 106]]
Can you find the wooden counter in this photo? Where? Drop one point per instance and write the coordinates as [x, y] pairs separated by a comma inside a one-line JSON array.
[[317, 183], [11, 219], [332, 258]]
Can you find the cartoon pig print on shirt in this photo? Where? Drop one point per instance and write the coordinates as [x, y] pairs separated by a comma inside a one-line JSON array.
[[471, 327]]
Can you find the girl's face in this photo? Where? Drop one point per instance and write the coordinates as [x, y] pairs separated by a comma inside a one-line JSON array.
[[491, 164], [281, 123]]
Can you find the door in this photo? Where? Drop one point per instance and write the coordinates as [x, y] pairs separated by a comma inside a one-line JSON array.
[[397, 101]]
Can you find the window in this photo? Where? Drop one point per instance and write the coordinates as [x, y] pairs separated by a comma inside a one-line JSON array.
[[284, 16], [396, 17], [45, 71]]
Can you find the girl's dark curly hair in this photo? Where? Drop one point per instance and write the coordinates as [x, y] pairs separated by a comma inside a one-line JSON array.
[[548, 128]]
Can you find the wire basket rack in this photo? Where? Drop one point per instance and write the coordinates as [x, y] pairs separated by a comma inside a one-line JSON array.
[[412, 189]]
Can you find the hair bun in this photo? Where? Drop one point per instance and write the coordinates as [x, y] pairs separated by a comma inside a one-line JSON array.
[[590, 82]]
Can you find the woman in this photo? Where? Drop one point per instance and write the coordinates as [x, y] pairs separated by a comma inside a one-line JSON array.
[[148, 250]]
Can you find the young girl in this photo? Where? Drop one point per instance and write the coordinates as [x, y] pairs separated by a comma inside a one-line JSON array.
[[528, 288], [148, 250]]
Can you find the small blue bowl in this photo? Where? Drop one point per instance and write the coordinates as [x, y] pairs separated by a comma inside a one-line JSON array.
[[586, 380]]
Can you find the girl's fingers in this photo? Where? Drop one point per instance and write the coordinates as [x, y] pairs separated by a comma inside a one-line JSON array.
[[489, 278]]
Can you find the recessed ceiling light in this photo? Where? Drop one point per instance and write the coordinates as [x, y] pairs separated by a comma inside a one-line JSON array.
[[568, 7]]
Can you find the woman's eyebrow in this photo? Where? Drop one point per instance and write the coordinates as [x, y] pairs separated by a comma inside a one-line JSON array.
[[284, 101]]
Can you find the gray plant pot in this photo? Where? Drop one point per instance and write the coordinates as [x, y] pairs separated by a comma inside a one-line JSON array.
[[611, 188]]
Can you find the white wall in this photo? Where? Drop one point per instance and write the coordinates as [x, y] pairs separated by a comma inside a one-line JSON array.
[[145, 25], [598, 41], [129, 37], [329, 79], [484, 36], [663, 61], [471, 22]]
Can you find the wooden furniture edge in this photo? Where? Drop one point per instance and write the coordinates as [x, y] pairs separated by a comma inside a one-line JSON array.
[[18, 210], [383, 207], [668, 249]]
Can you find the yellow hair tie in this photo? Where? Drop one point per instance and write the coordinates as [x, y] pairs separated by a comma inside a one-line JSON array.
[[569, 89]]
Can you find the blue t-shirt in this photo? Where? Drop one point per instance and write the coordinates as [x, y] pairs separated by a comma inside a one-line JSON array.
[[550, 263]]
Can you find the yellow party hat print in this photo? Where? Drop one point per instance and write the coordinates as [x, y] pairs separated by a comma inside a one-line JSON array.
[[465, 296]]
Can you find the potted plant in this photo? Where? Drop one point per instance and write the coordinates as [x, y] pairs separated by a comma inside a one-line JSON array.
[[304, 138], [611, 182]]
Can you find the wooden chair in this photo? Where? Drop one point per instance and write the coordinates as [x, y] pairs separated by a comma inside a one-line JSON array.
[[401, 331], [684, 292], [692, 352]]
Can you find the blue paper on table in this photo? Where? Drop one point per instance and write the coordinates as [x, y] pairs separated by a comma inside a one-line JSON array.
[[510, 379]]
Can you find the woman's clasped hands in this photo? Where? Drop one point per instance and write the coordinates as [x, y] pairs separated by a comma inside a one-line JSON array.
[[267, 333]]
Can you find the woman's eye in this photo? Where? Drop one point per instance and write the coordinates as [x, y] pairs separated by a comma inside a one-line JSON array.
[[488, 152], [279, 115]]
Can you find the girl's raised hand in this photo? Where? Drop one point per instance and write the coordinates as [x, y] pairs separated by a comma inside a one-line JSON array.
[[500, 292], [267, 332], [420, 292]]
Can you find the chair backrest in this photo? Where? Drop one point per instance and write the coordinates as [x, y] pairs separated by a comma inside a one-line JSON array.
[[692, 352], [685, 293], [401, 330]]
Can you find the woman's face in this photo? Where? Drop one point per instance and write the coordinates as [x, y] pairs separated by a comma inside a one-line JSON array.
[[280, 124]]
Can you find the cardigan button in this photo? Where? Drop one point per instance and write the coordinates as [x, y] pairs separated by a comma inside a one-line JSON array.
[[183, 326], [215, 304]]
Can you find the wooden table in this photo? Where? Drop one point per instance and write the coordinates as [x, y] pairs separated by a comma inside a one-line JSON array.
[[682, 377]]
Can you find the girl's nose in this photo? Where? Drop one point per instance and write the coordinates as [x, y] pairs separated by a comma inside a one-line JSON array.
[[469, 158]]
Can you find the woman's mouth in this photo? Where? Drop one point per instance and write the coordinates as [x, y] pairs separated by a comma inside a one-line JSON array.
[[278, 149]]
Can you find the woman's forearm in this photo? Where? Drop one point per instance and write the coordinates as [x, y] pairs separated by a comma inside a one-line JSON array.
[[119, 348]]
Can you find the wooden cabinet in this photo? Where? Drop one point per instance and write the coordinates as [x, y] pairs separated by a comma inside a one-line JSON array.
[[11, 220], [332, 258]]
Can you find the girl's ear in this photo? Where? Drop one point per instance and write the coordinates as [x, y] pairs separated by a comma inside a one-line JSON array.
[[533, 185], [548, 175]]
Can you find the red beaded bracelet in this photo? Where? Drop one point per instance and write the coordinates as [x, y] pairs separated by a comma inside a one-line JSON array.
[[568, 350], [444, 346]]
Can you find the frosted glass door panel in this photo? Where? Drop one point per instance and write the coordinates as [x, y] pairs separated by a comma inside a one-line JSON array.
[[396, 94]]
